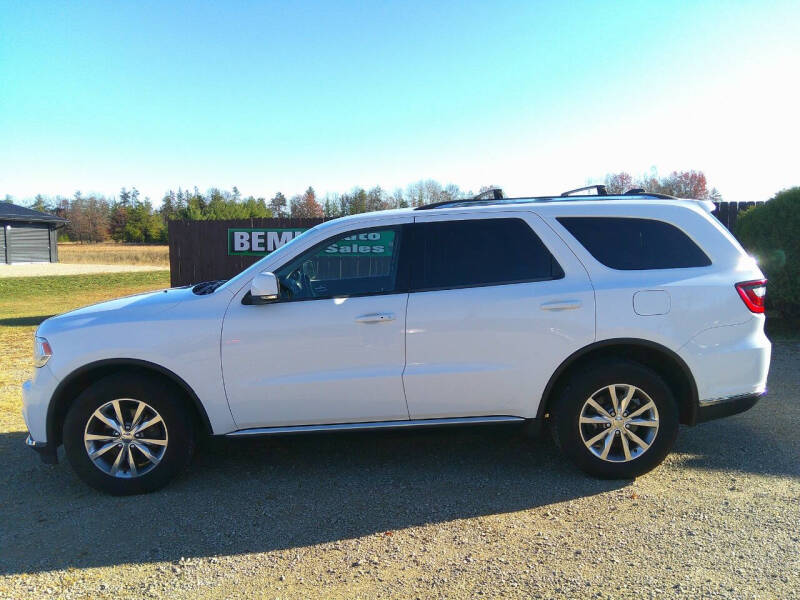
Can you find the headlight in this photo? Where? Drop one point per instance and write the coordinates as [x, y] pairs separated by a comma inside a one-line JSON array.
[[41, 351]]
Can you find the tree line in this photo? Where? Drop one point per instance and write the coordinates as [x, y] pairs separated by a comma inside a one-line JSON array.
[[130, 218], [681, 184]]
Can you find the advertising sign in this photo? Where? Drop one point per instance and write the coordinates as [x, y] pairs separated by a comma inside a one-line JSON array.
[[259, 242], [372, 243]]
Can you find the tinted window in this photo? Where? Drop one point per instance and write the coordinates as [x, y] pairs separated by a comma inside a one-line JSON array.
[[479, 252], [356, 263], [635, 244]]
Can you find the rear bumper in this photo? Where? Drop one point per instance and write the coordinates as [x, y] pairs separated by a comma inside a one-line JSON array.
[[727, 407], [728, 362]]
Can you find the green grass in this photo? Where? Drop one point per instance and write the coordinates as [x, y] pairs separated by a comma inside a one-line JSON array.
[[53, 289], [27, 301]]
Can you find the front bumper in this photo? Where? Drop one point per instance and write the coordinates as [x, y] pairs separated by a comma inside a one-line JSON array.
[[46, 452], [36, 395], [727, 407]]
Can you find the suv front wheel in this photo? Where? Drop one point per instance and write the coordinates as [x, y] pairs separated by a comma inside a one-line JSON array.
[[615, 420], [128, 434]]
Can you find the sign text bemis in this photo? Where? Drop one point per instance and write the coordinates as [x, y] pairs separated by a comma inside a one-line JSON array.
[[258, 242], [372, 243]]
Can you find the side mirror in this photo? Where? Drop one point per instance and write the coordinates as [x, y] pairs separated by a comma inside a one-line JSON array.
[[264, 287]]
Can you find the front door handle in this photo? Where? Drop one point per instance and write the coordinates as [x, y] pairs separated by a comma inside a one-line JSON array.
[[375, 318], [561, 305]]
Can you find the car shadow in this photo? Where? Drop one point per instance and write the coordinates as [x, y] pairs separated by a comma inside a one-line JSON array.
[[257, 495], [754, 442], [762, 440], [23, 321]]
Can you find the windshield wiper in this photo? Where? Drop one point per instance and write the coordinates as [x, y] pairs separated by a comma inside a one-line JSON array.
[[207, 287]]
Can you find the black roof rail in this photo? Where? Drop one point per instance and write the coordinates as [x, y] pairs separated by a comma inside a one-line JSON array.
[[495, 196], [485, 196], [601, 190], [494, 193], [641, 192]]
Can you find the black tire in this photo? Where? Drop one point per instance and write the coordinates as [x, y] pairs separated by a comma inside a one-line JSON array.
[[582, 384], [162, 397]]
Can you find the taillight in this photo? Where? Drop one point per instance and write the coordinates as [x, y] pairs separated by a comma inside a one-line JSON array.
[[752, 293]]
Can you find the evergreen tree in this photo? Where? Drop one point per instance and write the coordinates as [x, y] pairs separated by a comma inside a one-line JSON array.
[[278, 205]]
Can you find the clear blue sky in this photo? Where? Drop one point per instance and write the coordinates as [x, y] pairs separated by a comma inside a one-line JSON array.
[[534, 96]]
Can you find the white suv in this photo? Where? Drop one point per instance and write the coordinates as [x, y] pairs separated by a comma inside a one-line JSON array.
[[611, 318]]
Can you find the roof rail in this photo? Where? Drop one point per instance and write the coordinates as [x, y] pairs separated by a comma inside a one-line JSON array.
[[494, 193], [601, 190], [485, 196], [495, 196]]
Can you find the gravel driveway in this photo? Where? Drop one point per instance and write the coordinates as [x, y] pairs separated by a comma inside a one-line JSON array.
[[46, 269], [448, 514]]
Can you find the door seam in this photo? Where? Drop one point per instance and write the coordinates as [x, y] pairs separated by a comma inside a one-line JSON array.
[[405, 355]]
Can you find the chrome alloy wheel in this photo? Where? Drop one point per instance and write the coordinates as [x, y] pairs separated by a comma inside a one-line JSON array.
[[125, 438], [618, 423]]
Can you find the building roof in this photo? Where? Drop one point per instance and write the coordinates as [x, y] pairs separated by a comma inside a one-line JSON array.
[[12, 212]]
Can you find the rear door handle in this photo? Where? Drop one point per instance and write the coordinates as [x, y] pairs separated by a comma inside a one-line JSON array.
[[375, 318], [561, 305]]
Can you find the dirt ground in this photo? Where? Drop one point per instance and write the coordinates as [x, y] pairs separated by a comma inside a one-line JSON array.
[[469, 513]]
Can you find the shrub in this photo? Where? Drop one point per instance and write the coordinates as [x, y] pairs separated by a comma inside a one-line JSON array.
[[771, 232]]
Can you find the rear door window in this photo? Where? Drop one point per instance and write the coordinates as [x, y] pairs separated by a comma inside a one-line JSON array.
[[479, 252], [630, 244]]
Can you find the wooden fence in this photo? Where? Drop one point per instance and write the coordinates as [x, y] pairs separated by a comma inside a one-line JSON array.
[[198, 250], [727, 212]]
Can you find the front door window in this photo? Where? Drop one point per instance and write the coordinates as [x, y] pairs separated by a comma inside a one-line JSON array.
[[357, 263]]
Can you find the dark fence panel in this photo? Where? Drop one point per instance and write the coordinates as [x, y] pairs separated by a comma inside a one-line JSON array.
[[198, 250], [727, 212]]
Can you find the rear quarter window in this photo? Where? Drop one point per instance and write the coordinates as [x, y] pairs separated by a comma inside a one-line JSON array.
[[630, 244]]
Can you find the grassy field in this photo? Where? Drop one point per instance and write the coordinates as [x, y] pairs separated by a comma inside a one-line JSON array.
[[27, 301], [113, 254]]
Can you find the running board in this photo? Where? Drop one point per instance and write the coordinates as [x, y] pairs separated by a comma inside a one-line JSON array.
[[375, 425]]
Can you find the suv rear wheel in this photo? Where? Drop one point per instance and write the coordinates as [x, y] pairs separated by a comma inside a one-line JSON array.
[[128, 434], [615, 420]]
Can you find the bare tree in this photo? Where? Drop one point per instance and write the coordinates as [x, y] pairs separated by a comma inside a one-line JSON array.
[[306, 206], [681, 184], [618, 183], [398, 199]]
